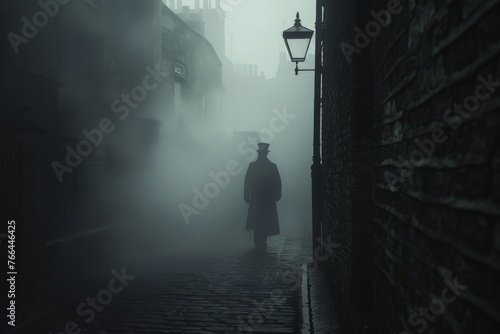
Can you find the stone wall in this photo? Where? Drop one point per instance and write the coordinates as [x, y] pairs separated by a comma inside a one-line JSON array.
[[432, 133]]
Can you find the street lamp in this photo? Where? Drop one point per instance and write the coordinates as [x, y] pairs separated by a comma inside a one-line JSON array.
[[297, 40]]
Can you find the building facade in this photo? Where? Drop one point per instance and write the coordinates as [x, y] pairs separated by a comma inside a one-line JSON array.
[[89, 87]]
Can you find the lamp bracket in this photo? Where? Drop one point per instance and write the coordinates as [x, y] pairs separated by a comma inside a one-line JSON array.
[[297, 69]]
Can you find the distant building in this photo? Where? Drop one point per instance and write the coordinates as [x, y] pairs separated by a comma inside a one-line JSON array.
[[208, 18], [197, 76]]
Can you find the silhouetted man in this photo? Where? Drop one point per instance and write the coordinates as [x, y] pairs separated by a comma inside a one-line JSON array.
[[262, 191]]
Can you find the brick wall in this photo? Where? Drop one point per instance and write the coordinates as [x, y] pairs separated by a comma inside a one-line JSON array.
[[347, 164], [439, 223], [436, 202]]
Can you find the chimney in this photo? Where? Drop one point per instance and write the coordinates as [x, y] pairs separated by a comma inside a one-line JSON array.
[[179, 5], [197, 4]]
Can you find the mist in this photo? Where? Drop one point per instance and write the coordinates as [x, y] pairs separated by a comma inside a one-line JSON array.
[[140, 119], [175, 197], [157, 168]]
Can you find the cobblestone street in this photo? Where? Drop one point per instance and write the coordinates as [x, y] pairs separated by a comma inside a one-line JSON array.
[[230, 290]]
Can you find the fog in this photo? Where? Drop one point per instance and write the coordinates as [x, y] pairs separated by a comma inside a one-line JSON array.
[[157, 200], [254, 29]]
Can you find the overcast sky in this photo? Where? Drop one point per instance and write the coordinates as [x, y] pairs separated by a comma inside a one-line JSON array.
[[254, 29]]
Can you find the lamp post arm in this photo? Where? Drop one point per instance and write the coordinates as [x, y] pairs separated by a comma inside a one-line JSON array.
[[297, 69]]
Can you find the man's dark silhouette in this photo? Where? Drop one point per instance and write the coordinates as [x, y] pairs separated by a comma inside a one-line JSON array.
[[262, 191]]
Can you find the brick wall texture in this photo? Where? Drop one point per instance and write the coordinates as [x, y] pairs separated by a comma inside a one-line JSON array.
[[411, 164]]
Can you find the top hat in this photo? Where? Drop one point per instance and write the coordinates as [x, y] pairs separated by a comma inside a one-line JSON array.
[[263, 147]]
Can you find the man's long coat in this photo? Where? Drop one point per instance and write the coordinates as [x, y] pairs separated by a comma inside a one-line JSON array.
[[262, 191]]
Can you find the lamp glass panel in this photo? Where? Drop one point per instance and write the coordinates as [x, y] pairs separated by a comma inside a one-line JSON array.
[[298, 48]]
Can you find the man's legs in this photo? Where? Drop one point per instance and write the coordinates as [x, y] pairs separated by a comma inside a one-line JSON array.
[[260, 239]]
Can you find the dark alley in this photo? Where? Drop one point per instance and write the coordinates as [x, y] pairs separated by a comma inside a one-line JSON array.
[[250, 166]]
